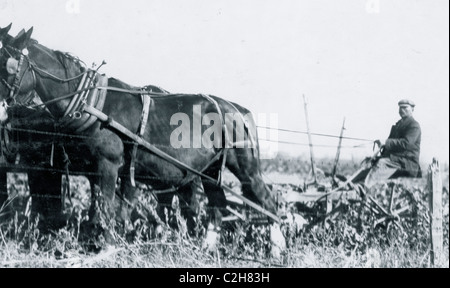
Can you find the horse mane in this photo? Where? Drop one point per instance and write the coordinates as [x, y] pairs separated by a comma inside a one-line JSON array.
[[72, 64], [67, 60]]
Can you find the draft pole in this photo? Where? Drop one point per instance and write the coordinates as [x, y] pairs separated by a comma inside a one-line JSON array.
[[313, 164]]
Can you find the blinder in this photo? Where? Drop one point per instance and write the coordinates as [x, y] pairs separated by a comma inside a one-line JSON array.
[[12, 65]]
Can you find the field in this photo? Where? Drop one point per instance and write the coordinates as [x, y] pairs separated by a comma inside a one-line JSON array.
[[344, 241]]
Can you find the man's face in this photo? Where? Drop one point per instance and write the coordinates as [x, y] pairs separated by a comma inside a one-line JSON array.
[[405, 110]]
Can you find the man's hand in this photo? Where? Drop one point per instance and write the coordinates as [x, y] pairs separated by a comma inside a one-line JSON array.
[[379, 150], [378, 143]]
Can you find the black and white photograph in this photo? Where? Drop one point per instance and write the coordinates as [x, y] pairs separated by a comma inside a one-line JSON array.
[[245, 136]]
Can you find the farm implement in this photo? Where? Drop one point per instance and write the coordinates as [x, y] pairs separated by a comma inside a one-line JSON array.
[[323, 199], [390, 205]]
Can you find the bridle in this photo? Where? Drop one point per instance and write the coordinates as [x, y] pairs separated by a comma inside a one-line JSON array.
[[19, 70], [24, 65]]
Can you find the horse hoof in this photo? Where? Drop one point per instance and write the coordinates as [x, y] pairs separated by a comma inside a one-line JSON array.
[[211, 239], [278, 241], [159, 231]]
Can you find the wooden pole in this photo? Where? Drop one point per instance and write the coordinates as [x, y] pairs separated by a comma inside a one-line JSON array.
[[313, 164], [435, 187], [338, 152], [333, 172]]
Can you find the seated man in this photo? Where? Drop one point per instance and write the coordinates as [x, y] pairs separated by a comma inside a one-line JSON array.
[[400, 153]]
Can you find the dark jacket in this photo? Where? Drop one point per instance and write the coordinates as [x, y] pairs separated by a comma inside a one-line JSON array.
[[403, 146]]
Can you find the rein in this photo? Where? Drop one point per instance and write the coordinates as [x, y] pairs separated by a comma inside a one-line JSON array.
[[33, 68], [53, 77], [109, 88], [56, 78]]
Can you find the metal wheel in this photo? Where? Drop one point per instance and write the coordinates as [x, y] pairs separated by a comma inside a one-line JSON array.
[[395, 233], [397, 210]]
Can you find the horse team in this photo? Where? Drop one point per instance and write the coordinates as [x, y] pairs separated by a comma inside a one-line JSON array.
[[48, 90]]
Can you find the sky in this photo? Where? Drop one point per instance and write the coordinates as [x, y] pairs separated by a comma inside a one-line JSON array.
[[352, 59]]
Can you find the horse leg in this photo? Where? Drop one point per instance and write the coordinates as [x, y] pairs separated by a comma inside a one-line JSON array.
[[246, 168], [189, 198], [188, 203], [98, 231], [45, 190], [243, 164], [193, 193], [129, 193], [103, 191], [217, 203], [105, 148]]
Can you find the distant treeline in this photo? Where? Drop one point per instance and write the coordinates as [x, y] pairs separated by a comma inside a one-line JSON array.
[[284, 163]]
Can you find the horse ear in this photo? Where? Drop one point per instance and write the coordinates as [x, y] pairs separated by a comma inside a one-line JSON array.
[[20, 33], [4, 31], [21, 41]]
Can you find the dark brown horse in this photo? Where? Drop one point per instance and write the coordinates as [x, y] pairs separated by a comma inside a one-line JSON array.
[[28, 146], [179, 125], [44, 183]]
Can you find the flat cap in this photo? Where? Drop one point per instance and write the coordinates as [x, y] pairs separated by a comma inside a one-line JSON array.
[[406, 102]]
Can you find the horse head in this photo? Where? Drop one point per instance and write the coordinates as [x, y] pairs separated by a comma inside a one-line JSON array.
[[15, 76], [29, 67], [5, 40]]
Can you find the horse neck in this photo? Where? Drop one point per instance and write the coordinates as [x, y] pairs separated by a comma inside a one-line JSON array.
[[48, 88]]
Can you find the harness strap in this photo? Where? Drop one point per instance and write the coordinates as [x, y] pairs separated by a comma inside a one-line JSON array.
[[81, 86], [146, 101], [52, 154], [75, 120], [219, 111], [222, 168], [15, 87], [104, 88], [190, 177], [196, 185], [252, 138], [96, 99], [17, 79], [66, 187], [224, 149], [83, 96], [142, 91]]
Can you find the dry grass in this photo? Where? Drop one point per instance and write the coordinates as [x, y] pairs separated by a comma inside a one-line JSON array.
[[186, 254], [245, 246]]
